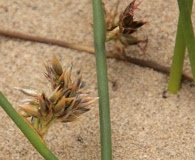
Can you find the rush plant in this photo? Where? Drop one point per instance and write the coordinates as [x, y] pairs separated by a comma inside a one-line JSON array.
[[66, 102]]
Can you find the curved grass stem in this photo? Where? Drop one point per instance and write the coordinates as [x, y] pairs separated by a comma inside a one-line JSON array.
[[27, 130]]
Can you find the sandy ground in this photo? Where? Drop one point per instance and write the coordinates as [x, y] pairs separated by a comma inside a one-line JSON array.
[[144, 124]]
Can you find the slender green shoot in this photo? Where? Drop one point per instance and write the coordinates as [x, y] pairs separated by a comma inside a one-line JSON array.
[[104, 109], [28, 131], [188, 31], [178, 58]]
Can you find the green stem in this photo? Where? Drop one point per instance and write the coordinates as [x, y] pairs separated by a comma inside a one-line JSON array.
[[28, 131], [188, 31], [104, 109], [178, 58]]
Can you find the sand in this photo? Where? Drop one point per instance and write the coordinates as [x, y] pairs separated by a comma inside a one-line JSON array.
[[145, 124]]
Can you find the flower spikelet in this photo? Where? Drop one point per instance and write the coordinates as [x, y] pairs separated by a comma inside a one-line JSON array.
[[66, 102], [121, 26]]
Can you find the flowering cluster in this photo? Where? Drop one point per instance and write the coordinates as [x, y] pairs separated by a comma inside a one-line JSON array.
[[65, 104], [120, 27]]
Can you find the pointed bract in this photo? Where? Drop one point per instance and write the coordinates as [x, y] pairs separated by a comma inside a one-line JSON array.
[[56, 66]]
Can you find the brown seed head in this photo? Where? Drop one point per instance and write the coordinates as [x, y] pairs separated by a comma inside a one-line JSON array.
[[65, 104]]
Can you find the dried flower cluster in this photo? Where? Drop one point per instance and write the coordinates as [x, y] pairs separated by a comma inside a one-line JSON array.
[[65, 104], [120, 27]]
